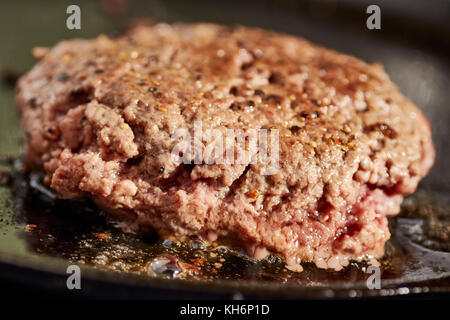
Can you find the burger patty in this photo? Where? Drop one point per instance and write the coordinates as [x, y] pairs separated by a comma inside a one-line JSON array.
[[99, 118]]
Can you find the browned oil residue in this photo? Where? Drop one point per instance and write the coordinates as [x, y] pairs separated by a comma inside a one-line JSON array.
[[79, 232]]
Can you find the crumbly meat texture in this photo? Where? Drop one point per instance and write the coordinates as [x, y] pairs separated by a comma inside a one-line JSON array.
[[98, 117]]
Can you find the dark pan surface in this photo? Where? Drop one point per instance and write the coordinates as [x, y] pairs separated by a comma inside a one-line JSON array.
[[41, 236]]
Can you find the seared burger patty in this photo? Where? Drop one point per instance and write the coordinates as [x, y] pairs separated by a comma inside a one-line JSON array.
[[99, 117]]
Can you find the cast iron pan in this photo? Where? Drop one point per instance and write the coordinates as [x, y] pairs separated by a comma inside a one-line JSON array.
[[40, 236]]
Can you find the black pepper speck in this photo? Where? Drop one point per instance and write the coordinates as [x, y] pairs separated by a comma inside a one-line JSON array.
[[32, 102], [63, 77], [259, 92]]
